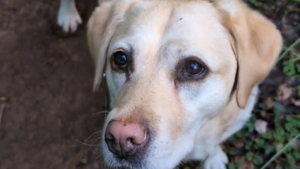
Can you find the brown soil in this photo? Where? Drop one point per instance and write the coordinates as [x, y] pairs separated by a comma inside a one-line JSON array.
[[46, 87]]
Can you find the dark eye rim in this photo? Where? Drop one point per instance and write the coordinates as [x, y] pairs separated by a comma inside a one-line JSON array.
[[118, 68], [183, 75]]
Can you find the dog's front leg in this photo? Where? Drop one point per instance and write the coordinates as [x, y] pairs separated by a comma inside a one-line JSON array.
[[68, 17], [211, 153], [216, 159]]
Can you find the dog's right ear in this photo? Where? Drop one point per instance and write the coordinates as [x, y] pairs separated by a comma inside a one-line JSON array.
[[100, 29]]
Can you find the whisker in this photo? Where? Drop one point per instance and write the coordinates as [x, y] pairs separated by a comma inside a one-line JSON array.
[[92, 136], [90, 145], [99, 113], [105, 102]]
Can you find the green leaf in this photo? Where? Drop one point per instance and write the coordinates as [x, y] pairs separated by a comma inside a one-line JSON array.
[[250, 127], [267, 136], [289, 126], [280, 131], [248, 146], [249, 156], [291, 160], [289, 119], [278, 108], [240, 134], [263, 106], [296, 154], [233, 151], [298, 68], [269, 149], [277, 122], [260, 143], [232, 166], [278, 138], [294, 132], [257, 160]]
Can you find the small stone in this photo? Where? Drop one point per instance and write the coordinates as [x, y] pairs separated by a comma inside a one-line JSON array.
[[261, 126]]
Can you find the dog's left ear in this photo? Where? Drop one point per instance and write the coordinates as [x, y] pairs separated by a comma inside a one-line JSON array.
[[100, 29], [257, 44]]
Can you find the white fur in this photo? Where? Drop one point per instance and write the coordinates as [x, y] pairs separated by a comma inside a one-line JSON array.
[[68, 17]]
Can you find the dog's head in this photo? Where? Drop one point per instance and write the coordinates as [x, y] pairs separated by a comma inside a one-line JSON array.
[[171, 66]]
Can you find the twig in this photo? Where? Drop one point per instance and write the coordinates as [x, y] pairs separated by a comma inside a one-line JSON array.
[[1, 113], [280, 152], [287, 50]]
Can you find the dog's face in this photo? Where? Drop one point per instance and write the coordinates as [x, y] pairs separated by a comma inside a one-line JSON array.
[[173, 70], [171, 67]]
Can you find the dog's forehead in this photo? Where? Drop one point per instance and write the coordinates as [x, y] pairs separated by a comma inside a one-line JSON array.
[[191, 27]]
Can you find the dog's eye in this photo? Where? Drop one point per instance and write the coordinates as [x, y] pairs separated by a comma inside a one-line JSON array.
[[193, 67], [120, 59]]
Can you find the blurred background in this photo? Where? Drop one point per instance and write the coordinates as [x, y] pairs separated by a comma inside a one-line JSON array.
[[50, 118]]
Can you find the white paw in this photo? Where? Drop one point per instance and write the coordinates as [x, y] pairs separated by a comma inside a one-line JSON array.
[[217, 161], [68, 17]]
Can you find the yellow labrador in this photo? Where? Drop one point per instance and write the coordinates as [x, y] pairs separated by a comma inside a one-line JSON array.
[[182, 77]]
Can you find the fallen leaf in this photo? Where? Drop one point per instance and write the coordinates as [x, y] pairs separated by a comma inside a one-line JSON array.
[[296, 102], [3, 99], [283, 92], [1, 113], [261, 126], [238, 143], [263, 114], [247, 165], [295, 144], [278, 147], [269, 102]]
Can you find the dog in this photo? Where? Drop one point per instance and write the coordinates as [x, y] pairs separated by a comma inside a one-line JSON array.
[[182, 76]]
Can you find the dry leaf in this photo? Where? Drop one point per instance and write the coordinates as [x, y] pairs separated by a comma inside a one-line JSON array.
[[261, 126], [263, 114], [295, 144], [296, 102], [238, 143], [247, 165], [283, 92], [269, 102], [3, 99], [278, 147]]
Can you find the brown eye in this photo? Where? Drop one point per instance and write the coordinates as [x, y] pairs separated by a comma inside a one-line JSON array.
[[193, 68], [120, 59]]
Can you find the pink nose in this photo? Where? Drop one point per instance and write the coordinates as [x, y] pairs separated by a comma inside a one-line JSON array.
[[125, 139]]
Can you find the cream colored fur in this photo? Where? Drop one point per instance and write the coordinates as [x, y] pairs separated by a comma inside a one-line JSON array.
[[189, 120]]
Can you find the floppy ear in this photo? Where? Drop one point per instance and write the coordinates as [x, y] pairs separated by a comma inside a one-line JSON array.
[[257, 44], [100, 29]]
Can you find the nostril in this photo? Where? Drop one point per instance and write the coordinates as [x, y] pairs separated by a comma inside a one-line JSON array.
[[109, 136], [126, 140]]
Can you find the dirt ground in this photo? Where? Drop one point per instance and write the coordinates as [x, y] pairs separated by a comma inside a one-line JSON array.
[[46, 88]]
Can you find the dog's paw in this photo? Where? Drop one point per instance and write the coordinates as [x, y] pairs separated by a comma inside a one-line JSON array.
[[68, 17], [216, 161]]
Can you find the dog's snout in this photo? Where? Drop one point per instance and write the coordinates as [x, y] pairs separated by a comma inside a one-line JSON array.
[[125, 139]]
